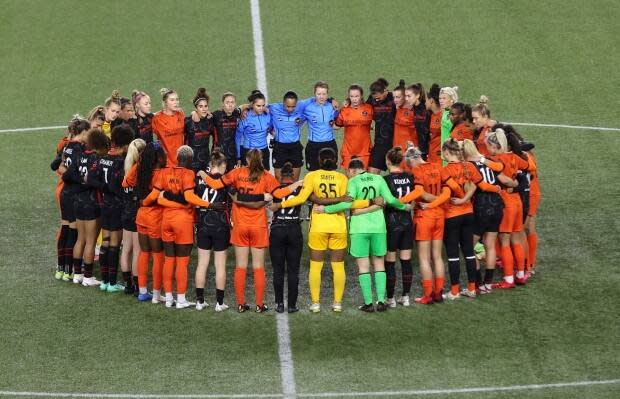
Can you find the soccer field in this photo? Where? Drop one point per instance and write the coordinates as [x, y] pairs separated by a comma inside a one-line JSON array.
[[552, 62]]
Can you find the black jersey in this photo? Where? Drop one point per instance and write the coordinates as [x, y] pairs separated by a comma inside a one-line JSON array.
[[144, 129], [400, 184], [71, 155], [486, 203], [384, 112], [421, 121], [286, 216], [108, 178], [225, 133], [132, 123], [198, 136], [212, 219]]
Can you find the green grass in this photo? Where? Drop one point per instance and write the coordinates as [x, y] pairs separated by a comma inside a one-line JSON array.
[[551, 62]]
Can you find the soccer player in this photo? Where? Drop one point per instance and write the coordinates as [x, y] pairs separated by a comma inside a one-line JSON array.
[[481, 116], [96, 117], [399, 227], [286, 245], [169, 124], [416, 97], [384, 110], [108, 177], [250, 231], [252, 131], [447, 97], [225, 121], [130, 250], [367, 231], [460, 116], [404, 130], [356, 117], [213, 234], [435, 115], [111, 109], [148, 219], [530, 221], [198, 134], [142, 107], [127, 115], [321, 115]]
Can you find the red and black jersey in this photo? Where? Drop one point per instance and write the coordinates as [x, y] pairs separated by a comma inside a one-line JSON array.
[[487, 203], [208, 218], [384, 112], [225, 133], [72, 153], [400, 184], [421, 121], [108, 178], [286, 216], [132, 123], [198, 136], [144, 129]]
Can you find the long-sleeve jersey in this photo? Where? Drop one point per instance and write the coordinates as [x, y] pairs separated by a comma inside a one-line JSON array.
[[132, 123], [512, 165], [169, 130], [76, 164], [178, 180], [321, 118], [108, 177], [198, 136], [421, 127], [486, 202], [367, 186], [145, 128], [356, 122], [225, 133], [383, 114], [252, 132], [287, 125], [400, 184]]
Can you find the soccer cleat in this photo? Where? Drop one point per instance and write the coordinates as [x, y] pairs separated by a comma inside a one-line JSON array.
[[261, 309], [480, 251], [390, 302], [129, 289], [67, 277], [103, 286], [451, 296], [503, 285], [293, 309], [220, 308], [115, 288], [183, 305], [438, 297], [520, 281], [425, 300], [90, 282], [201, 305], [145, 297], [170, 303], [280, 307], [315, 308], [382, 307], [404, 300], [157, 299], [484, 289], [368, 308], [58, 275], [241, 308], [337, 307], [78, 278], [467, 293]]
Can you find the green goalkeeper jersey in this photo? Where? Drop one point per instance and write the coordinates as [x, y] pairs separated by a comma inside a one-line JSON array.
[[367, 186]]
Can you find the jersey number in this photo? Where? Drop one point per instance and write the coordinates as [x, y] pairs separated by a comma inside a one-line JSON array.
[[487, 175], [287, 211], [83, 172], [369, 192], [209, 195], [399, 189], [105, 175], [328, 191]]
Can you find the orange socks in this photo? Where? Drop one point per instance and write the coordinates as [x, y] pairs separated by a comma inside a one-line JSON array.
[[168, 272], [181, 274], [259, 285], [427, 287], [532, 242], [158, 267], [455, 289], [143, 268], [471, 286], [240, 285], [439, 283], [508, 261], [519, 257]]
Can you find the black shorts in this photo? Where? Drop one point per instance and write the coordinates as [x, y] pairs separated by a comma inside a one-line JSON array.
[[111, 217], [266, 157], [401, 239], [216, 240], [377, 157], [287, 152], [312, 152], [485, 223], [67, 206], [128, 216], [86, 206]]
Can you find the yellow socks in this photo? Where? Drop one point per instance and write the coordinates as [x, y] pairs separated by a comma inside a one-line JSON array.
[[339, 280], [315, 280]]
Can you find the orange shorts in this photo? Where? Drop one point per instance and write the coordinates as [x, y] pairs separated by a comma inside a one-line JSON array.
[[250, 236], [148, 221], [534, 203], [346, 158], [177, 230], [428, 229], [512, 221]]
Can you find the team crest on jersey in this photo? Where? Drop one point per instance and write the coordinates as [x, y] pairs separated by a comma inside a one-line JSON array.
[[364, 113], [298, 121]]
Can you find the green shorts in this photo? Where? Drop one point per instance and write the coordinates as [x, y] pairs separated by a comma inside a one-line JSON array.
[[364, 245]]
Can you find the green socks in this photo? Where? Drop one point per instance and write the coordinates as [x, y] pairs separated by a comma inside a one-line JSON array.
[[366, 285], [380, 285]]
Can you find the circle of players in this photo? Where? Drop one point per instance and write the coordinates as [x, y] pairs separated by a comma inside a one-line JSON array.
[[140, 187]]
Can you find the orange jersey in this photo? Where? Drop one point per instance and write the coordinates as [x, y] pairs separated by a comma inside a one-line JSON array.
[[461, 132], [428, 176], [240, 179], [460, 172], [404, 130], [533, 176], [60, 184], [169, 130], [481, 142], [512, 164], [176, 180], [434, 148], [356, 122]]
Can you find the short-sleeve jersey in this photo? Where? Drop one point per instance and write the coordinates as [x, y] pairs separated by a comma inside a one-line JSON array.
[[169, 130], [176, 180], [428, 176], [209, 218], [460, 172], [400, 184], [357, 122]]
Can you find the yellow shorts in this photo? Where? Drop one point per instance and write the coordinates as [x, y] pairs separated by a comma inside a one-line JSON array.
[[323, 241]]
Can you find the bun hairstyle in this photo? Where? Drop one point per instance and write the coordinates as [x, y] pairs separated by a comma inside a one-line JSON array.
[[133, 153], [433, 93], [254, 157], [413, 153], [115, 98], [483, 107], [379, 86], [356, 163], [165, 93], [255, 95], [327, 159], [464, 110], [453, 147], [452, 92], [217, 158], [97, 141], [470, 150], [185, 155], [401, 86], [287, 171], [497, 139], [201, 94], [122, 135], [77, 125], [418, 89], [395, 155]]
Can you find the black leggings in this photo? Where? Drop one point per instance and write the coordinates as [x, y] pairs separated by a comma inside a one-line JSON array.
[[286, 244], [459, 231]]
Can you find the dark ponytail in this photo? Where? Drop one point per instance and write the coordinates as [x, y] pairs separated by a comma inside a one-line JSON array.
[[327, 159], [255, 95], [395, 155], [201, 94], [433, 93], [149, 160], [356, 163]]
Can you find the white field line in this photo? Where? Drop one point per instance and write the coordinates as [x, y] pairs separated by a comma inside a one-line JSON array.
[[420, 392], [259, 53], [608, 129]]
